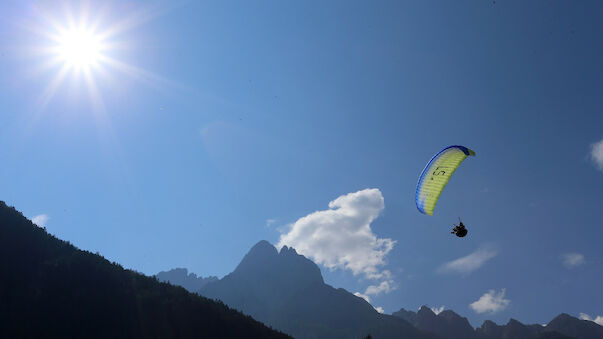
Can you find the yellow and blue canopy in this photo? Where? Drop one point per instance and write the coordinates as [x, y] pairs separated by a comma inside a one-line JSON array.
[[436, 175]]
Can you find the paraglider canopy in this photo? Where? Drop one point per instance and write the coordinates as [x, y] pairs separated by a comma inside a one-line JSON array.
[[436, 175]]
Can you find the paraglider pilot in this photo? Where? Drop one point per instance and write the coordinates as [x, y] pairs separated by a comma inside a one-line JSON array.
[[459, 229]]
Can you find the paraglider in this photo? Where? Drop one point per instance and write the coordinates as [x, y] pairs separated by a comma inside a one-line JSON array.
[[436, 175], [459, 230]]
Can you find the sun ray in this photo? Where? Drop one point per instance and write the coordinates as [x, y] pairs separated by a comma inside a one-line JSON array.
[[134, 20], [52, 87], [93, 92], [47, 95], [96, 24], [80, 44], [143, 76]]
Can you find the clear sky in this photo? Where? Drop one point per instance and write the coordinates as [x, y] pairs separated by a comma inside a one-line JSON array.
[[194, 130]]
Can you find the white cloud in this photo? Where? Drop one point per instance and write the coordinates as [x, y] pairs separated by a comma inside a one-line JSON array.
[[571, 260], [469, 263], [40, 220], [491, 302], [384, 287], [596, 154], [341, 236], [270, 222], [363, 296], [438, 310], [598, 319]]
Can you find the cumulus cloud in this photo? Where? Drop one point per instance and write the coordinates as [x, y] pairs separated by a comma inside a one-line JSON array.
[[598, 319], [596, 154], [571, 260], [438, 310], [384, 287], [469, 263], [491, 302], [40, 220], [341, 236], [379, 309]]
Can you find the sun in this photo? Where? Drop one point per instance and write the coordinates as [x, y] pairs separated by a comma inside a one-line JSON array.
[[86, 46], [79, 48]]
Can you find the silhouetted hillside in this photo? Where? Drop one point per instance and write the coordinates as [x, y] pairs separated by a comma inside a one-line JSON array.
[[49, 288], [286, 291], [181, 277]]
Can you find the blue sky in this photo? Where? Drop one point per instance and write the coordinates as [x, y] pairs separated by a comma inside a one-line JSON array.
[[212, 118]]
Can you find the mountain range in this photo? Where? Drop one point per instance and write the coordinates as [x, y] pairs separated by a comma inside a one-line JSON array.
[[49, 288], [286, 291], [448, 324]]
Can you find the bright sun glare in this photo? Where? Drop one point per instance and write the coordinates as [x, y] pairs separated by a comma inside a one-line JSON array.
[[82, 45], [79, 48]]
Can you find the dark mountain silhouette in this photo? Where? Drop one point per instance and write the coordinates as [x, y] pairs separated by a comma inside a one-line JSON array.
[[490, 329], [448, 324], [513, 329], [575, 327], [409, 316], [562, 326], [50, 289], [286, 291], [456, 324], [181, 277]]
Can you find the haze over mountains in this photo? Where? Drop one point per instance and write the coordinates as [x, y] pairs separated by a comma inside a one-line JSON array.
[[286, 290], [181, 277]]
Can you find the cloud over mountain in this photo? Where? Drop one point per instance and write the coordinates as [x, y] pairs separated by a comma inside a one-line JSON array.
[[598, 319], [383, 287], [40, 220], [437, 310], [341, 236], [491, 302]]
